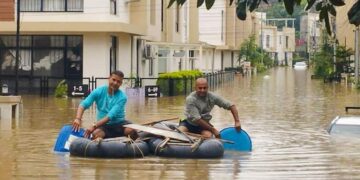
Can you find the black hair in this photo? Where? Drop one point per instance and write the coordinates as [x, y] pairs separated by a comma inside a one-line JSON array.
[[118, 73]]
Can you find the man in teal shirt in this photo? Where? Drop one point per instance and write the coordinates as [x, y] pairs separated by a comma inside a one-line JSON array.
[[110, 110], [198, 107]]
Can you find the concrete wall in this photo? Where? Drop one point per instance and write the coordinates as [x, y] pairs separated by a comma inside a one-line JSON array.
[[96, 55], [344, 30], [212, 23]]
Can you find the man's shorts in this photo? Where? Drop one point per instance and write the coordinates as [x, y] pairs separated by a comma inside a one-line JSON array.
[[190, 127], [114, 130]]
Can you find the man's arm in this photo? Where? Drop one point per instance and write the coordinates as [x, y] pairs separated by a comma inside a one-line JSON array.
[[95, 126], [205, 125], [87, 102], [236, 117], [78, 118]]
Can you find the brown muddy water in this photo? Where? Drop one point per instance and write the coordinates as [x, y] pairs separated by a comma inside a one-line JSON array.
[[286, 115]]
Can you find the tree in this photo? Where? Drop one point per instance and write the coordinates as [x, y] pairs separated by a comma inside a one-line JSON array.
[[324, 7], [250, 52]]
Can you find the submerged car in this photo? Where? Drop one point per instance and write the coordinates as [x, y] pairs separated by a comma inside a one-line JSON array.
[[300, 65], [345, 125]]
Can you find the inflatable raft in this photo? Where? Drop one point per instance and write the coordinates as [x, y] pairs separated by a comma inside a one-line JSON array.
[[209, 148], [120, 147]]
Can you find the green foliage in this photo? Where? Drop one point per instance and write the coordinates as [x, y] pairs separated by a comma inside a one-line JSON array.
[[249, 51], [323, 65], [178, 80], [343, 59], [324, 7], [61, 89]]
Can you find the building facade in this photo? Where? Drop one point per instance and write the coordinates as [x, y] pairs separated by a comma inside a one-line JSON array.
[[77, 39]]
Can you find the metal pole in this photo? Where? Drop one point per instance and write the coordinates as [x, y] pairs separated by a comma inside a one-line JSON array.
[[17, 46], [357, 55], [262, 46], [334, 44]]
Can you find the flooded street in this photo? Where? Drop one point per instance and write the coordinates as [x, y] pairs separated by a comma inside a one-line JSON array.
[[286, 115]]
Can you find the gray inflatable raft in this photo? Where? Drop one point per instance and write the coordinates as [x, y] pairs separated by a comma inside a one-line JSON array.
[[119, 147], [209, 148]]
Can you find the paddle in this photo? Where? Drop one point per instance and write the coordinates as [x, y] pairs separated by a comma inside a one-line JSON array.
[[242, 141], [66, 136]]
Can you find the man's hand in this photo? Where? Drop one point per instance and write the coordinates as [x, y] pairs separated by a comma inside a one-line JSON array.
[[237, 126], [76, 125], [216, 133], [89, 131]]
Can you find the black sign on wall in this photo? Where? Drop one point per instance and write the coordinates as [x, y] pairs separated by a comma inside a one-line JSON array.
[[76, 90], [152, 91]]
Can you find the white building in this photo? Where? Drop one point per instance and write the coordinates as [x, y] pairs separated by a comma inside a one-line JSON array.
[[278, 43], [75, 39]]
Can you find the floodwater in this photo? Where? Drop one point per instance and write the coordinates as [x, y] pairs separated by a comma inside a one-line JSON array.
[[286, 114]]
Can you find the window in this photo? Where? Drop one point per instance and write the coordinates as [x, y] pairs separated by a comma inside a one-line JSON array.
[[51, 5], [222, 60], [222, 25], [180, 65], [232, 59], [40, 55], [152, 12], [151, 66], [267, 41], [113, 58], [162, 15], [279, 39], [192, 59], [287, 41], [113, 7], [177, 20]]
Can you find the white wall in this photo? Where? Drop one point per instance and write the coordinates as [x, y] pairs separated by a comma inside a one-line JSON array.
[[154, 31], [210, 23], [96, 55], [227, 59], [124, 54], [217, 60]]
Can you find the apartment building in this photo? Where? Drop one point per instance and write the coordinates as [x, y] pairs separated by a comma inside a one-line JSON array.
[[279, 43], [310, 34], [75, 39]]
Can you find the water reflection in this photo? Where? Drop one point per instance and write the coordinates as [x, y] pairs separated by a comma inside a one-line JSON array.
[[286, 115]]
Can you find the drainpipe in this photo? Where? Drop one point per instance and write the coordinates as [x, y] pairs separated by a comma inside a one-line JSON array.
[[138, 47], [213, 60], [17, 46], [357, 55]]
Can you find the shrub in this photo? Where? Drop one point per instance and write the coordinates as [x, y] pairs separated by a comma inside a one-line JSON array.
[[177, 81], [61, 89]]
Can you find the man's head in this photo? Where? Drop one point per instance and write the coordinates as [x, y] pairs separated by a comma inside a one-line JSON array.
[[115, 80], [201, 86]]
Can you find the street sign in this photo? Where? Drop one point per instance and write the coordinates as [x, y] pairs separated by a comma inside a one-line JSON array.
[[78, 90], [152, 91]]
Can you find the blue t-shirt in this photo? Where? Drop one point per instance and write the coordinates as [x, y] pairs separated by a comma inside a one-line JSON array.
[[106, 105]]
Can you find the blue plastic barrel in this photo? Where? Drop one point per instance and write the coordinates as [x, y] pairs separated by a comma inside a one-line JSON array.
[[242, 141]]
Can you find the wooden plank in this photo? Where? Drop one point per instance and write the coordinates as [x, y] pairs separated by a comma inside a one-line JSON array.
[[162, 120], [157, 131]]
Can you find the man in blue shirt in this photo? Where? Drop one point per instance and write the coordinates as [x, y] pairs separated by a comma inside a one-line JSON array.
[[110, 110]]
